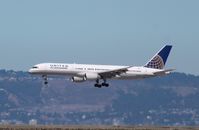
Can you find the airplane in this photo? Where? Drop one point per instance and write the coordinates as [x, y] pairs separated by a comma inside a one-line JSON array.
[[84, 72]]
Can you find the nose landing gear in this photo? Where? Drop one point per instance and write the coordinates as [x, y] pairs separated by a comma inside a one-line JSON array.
[[45, 78]]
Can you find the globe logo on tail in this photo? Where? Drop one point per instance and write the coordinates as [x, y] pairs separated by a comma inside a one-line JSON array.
[[156, 63]]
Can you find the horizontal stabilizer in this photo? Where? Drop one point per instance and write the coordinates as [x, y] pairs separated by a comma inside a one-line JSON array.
[[163, 72]]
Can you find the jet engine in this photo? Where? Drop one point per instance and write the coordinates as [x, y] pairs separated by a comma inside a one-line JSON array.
[[87, 76], [78, 79], [92, 76]]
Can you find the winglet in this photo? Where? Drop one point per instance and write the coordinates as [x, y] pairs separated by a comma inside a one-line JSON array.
[[158, 61]]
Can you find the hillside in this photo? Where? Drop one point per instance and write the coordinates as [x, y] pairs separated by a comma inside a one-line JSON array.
[[169, 100]]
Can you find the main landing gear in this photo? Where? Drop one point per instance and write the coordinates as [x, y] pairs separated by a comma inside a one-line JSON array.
[[98, 85]]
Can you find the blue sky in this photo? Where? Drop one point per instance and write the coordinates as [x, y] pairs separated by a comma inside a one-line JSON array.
[[125, 32]]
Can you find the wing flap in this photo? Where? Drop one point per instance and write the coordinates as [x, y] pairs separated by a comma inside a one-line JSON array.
[[113, 73]]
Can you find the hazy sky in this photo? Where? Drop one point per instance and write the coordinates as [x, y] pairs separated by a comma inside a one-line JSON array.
[[126, 32]]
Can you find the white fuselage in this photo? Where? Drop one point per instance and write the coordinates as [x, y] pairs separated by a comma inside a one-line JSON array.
[[84, 72], [81, 69]]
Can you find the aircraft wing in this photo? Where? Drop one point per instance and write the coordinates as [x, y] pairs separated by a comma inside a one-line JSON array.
[[163, 72], [113, 73]]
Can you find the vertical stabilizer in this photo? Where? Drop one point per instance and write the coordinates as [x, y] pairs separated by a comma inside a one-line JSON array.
[[158, 61]]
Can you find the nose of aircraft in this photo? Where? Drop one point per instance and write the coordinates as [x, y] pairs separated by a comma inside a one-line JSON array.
[[30, 71], [33, 69]]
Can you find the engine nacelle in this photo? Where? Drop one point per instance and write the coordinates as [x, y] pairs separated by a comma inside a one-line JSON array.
[[87, 76], [78, 79], [92, 76]]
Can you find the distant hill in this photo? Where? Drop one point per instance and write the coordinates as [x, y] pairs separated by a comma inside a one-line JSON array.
[[169, 100]]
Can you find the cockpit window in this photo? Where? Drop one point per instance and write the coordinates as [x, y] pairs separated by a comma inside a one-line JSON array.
[[34, 67]]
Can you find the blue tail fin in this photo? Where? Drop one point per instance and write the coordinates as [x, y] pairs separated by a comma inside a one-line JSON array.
[[159, 60]]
